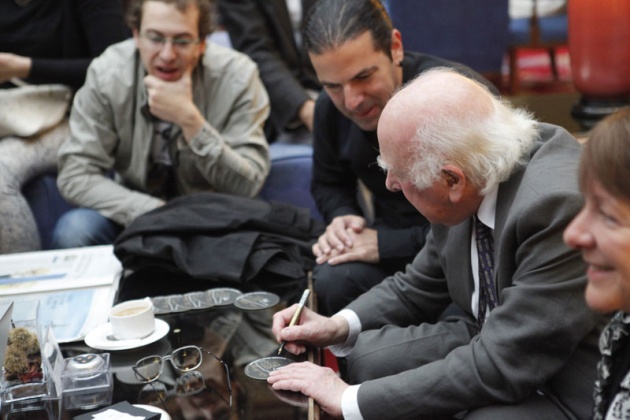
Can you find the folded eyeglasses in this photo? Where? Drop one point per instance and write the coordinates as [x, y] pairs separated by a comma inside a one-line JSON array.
[[184, 359]]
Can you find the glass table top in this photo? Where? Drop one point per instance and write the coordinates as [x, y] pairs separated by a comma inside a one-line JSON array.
[[236, 336]]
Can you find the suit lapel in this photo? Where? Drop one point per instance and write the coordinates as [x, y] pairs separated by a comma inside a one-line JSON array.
[[505, 200], [505, 196]]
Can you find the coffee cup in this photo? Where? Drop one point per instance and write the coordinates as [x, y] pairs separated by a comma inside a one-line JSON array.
[[132, 319]]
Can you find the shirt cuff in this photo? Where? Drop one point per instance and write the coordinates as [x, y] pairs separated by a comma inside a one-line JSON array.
[[354, 328], [350, 403]]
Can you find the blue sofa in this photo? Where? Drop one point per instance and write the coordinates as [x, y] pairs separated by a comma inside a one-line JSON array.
[[288, 182]]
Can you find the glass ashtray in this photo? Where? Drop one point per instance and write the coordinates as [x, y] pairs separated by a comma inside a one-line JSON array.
[[221, 296], [256, 300], [171, 304]]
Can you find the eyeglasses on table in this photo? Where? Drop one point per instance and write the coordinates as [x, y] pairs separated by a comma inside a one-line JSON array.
[[184, 359]]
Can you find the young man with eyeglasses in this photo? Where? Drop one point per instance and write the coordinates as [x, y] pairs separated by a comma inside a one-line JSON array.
[[168, 115]]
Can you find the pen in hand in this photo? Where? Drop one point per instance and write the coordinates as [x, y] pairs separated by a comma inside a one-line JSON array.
[[296, 315]]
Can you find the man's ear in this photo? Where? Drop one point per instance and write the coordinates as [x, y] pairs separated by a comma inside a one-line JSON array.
[[397, 48], [455, 181]]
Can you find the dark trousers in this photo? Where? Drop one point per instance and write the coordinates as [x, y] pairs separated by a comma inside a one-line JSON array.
[[338, 285]]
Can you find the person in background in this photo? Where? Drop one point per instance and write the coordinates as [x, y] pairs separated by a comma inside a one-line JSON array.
[[360, 61], [43, 42], [165, 113], [601, 231], [269, 31], [499, 188]]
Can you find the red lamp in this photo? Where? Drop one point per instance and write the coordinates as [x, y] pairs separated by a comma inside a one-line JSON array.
[[599, 47]]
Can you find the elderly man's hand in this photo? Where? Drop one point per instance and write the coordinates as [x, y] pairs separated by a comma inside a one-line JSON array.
[[312, 329], [320, 383]]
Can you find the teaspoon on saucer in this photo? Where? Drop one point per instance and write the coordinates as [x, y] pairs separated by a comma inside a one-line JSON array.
[[111, 337]]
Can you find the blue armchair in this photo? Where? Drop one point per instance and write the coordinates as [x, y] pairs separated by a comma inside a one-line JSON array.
[[47, 205], [289, 180]]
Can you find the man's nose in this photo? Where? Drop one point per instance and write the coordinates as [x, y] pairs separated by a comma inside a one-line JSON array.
[[352, 97], [167, 51], [391, 183]]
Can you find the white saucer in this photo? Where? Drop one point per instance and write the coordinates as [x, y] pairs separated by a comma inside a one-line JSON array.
[[164, 414], [96, 338]]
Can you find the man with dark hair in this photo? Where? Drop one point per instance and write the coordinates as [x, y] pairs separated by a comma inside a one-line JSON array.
[[168, 115], [498, 188], [359, 59]]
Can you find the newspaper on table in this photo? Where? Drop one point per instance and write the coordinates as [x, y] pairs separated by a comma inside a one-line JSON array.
[[71, 289]]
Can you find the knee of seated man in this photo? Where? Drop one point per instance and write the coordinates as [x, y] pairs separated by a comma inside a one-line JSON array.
[[325, 288], [83, 227], [336, 285], [327, 279], [344, 277]]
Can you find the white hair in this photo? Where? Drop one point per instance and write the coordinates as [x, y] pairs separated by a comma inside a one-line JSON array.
[[487, 148]]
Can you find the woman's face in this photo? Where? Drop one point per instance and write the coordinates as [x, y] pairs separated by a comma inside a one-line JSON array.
[[601, 230]]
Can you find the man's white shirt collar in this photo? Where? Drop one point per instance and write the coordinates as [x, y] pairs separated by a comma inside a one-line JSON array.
[[488, 208]]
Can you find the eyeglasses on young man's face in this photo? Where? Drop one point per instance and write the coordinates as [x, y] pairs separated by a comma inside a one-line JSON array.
[[158, 41], [184, 359]]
